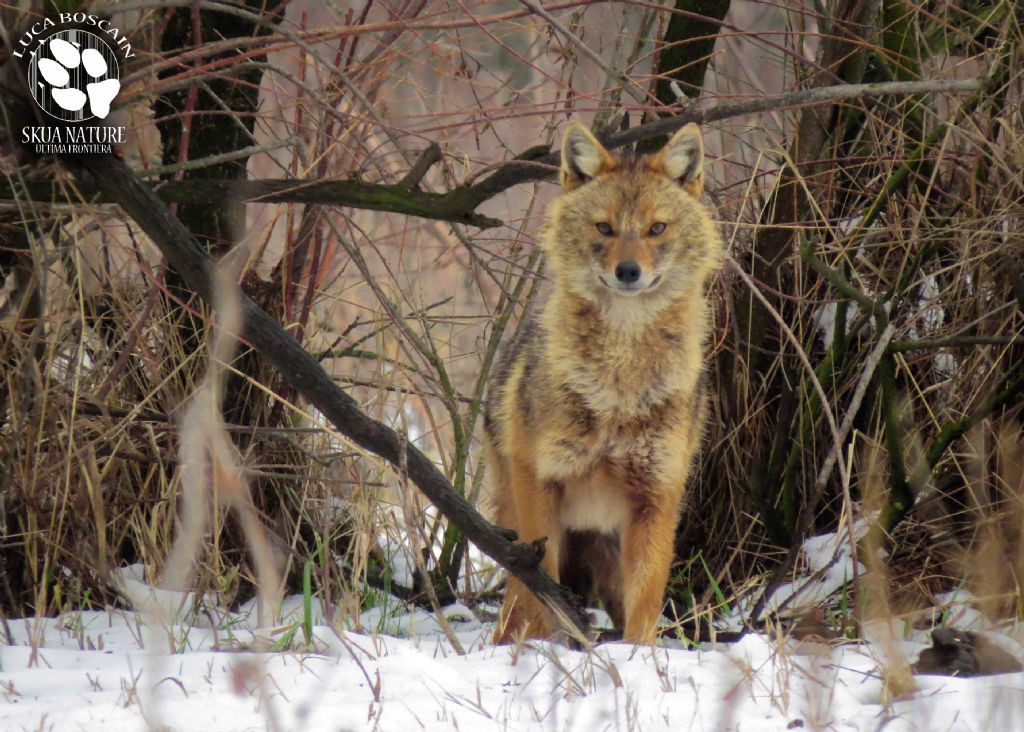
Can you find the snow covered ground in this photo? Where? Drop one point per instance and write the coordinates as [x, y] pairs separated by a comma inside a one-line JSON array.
[[88, 671]]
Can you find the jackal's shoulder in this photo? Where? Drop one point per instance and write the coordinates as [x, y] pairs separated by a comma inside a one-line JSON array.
[[525, 347]]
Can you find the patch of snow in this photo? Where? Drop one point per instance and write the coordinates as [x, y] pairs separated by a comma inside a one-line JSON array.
[[961, 610], [826, 317], [90, 672], [397, 545], [830, 565], [174, 605]]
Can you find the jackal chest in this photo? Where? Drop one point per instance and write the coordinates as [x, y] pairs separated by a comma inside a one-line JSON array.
[[633, 450], [602, 474]]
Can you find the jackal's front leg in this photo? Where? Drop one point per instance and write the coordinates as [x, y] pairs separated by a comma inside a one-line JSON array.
[[534, 513], [648, 544]]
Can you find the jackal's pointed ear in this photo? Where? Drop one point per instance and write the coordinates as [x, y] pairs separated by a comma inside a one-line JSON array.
[[583, 157], [682, 159]]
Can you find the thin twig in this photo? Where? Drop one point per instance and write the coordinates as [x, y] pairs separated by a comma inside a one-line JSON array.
[[634, 89], [925, 344]]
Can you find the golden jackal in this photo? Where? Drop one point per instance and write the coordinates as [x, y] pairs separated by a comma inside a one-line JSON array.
[[596, 410]]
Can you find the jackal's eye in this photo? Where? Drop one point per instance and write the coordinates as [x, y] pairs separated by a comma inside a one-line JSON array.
[[657, 227], [604, 228]]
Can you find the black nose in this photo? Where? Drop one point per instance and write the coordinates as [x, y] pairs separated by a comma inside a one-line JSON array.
[[627, 272]]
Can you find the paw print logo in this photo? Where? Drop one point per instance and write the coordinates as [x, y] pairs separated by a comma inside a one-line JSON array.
[[74, 76]]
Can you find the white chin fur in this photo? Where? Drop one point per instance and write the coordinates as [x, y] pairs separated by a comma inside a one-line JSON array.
[[645, 284]]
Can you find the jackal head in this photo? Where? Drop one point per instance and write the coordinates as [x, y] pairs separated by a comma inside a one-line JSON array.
[[631, 226]]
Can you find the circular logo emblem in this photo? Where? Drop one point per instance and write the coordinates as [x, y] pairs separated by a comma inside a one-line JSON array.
[[74, 76]]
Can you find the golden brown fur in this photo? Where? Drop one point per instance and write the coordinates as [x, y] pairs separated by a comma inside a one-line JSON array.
[[596, 411]]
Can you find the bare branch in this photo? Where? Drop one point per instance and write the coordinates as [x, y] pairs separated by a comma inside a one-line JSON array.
[[115, 180], [459, 204]]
